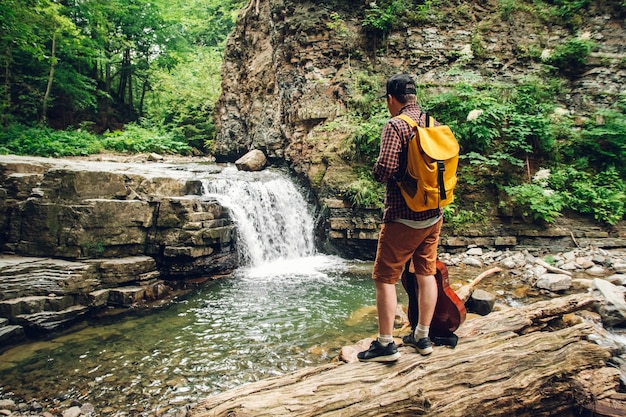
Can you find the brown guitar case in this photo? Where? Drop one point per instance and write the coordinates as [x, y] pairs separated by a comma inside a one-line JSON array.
[[449, 312]]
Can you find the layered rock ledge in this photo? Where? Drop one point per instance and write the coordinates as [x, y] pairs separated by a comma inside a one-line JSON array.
[[78, 236]]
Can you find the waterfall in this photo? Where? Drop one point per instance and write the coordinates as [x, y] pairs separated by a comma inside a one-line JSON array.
[[272, 217]]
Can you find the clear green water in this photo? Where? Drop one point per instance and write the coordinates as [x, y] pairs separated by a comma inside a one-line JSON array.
[[256, 324]]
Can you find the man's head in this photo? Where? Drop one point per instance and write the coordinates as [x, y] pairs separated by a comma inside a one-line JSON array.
[[402, 88], [400, 92]]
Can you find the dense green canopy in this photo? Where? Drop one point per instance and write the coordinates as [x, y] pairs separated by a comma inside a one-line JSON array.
[[72, 62]]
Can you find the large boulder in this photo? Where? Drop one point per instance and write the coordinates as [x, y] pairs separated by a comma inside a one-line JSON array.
[[252, 161]]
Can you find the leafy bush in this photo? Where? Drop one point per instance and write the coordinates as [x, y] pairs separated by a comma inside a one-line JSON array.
[[365, 192], [366, 139], [337, 24], [136, 139], [460, 218], [364, 98], [535, 200], [566, 12], [366, 119], [44, 141], [571, 57], [381, 19], [603, 141], [601, 195], [183, 98]]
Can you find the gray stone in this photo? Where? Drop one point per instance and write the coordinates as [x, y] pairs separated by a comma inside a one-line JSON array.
[[617, 279], [569, 256], [126, 296], [472, 262], [474, 252], [72, 412], [7, 404], [569, 266], [554, 282], [584, 263], [481, 302], [613, 307], [50, 320], [596, 271], [505, 241], [619, 267]]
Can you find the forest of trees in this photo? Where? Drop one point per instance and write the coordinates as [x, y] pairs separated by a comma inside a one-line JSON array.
[[100, 64]]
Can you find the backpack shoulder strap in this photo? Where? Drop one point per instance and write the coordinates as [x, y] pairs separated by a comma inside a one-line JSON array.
[[430, 120], [407, 119]]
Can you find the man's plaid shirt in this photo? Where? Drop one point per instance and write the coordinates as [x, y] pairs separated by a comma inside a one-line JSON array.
[[391, 165]]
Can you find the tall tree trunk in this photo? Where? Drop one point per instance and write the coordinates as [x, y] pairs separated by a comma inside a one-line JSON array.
[[124, 71], [107, 77], [130, 86], [7, 83], [144, 90], [44, 110]]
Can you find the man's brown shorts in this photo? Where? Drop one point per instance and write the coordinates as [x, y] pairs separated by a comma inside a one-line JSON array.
[[398, 243]]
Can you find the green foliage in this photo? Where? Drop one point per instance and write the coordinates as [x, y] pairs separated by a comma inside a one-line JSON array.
[[551, 260], [380, 19], [571, 57], [422, 12], [183, 98], [603, 141], [113, 61], [533, 201], [366, 119], [460, 219], [365, 141], [507, 121], [337, 24], [93, 249], [566, 12], [365, 90], [601, 195], [145, 138], [506, 9], [43, 141], [203, 23], [501, 127], [365, 192]]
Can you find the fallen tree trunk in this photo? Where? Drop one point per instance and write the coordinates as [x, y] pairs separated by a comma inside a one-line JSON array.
[[523, 362]]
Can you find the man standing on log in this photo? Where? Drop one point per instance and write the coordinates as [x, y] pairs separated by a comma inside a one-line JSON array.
[[405, 234]]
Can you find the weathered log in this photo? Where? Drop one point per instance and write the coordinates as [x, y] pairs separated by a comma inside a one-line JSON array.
[[522, 362]]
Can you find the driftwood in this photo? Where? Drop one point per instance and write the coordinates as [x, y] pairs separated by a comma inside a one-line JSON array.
[[524, 362], [465, 291]]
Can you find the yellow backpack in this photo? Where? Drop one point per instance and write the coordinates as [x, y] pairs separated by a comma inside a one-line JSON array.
[[433, 157]]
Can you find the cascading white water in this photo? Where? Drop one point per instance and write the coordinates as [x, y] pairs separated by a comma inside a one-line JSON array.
[[272, 217]]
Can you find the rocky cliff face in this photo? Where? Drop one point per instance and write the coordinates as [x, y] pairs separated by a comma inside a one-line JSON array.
[[289, 67]]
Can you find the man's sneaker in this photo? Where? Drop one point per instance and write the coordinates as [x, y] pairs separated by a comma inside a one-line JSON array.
[[423, 346], [379, 353]]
